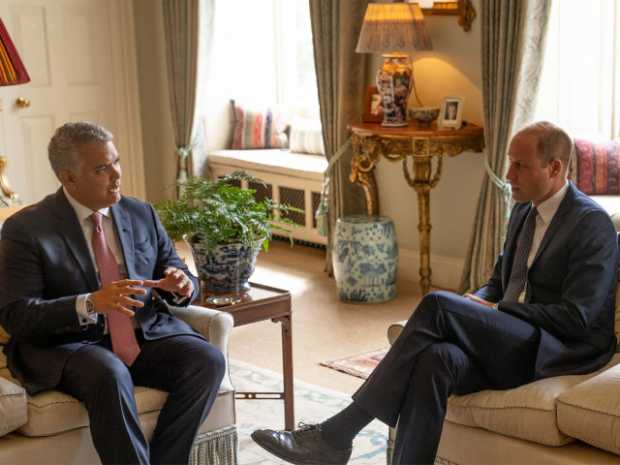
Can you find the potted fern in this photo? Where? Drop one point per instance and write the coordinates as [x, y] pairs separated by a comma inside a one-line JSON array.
[[225, 226]]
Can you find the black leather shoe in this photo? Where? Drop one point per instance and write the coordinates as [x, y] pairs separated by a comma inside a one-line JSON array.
[[304, 446]]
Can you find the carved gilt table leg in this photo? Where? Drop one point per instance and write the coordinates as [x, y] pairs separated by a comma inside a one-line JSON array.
[[365, 153], [423, 180]]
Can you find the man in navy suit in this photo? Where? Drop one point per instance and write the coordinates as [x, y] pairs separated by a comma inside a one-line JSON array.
[[79, 271], [547, 310]]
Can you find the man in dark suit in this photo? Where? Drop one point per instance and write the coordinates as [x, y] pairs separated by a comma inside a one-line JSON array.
[[79, 271], [547, 310]]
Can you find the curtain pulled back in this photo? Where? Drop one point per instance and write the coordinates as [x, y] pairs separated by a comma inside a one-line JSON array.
[[341, 80]]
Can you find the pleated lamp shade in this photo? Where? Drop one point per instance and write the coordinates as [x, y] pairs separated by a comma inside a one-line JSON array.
[[393, 27], [12, 70]]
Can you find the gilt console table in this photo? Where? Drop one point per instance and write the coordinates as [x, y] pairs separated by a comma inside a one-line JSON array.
[[426, 147]]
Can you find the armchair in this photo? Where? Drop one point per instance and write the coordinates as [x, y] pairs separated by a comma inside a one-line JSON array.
[[52, 427]]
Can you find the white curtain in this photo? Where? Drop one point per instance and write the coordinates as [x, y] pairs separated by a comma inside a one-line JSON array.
[[580, 84]]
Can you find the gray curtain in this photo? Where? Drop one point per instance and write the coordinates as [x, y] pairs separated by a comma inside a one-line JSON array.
[[181, 28], [341, 79], [513, 36]]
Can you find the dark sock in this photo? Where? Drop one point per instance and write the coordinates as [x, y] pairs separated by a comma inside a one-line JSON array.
[[340, 429]]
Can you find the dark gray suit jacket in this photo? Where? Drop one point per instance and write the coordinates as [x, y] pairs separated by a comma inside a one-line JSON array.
[[571, 286], [45, 264]]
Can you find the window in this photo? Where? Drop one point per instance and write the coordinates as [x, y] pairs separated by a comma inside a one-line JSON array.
[[262, 53], [580, 82]]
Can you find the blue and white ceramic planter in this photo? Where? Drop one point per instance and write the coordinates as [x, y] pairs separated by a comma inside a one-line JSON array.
[[365, 258], [227, 268]]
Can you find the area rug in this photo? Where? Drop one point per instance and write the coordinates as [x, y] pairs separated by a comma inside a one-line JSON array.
[[358, 365], [312, 405]]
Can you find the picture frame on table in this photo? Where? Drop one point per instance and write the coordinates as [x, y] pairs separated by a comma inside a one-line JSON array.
[[451, 113], [373, 112]]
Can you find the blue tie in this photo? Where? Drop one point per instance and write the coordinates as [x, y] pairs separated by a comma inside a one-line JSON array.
[[518, 274]]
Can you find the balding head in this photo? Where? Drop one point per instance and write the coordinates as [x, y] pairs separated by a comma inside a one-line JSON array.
[[552, 142]]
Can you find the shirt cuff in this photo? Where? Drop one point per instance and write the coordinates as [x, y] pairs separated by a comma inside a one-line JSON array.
[[179, 299], [82, 313]]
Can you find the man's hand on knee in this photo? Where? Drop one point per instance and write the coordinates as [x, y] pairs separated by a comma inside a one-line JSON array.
[[116, 297], [480, 300]]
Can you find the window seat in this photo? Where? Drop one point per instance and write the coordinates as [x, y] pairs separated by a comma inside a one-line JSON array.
[[291, 178]]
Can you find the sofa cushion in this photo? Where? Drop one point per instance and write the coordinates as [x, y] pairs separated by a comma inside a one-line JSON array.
[[52, 412], [591, 411], [13, 411], [528, 412]]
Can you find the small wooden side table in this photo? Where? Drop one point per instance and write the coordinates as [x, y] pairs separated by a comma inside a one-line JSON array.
[[262, 303], [371, 141]]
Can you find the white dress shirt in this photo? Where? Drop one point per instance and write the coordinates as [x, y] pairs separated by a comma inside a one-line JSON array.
[[546, 212], [83, 213]]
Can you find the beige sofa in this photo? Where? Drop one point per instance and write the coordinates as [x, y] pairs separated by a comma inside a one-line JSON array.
[[52, 428], [567, 420]]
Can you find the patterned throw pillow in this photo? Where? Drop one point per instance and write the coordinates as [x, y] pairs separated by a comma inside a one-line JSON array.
[[307, 136], [598, 167], [258, 128]]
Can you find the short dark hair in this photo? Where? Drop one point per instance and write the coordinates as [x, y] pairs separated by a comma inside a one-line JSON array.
[[552, 142], [64, 145]]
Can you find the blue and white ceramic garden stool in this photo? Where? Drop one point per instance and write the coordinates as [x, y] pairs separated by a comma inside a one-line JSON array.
[[365, 258]]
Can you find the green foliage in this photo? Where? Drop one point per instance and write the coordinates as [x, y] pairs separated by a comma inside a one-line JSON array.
[[217, 212]]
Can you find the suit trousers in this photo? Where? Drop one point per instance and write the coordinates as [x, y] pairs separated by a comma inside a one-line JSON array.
[[186, 366], [450, 345]]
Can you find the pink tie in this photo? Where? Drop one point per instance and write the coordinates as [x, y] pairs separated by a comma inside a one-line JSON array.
[[123, 337]]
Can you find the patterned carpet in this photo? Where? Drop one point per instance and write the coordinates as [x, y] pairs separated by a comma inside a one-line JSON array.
[[312, 404]]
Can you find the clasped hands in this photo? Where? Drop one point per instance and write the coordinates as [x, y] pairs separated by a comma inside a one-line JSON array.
[[117, 296]]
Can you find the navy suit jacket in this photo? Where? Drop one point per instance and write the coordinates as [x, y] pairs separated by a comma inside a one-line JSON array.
[[45, 264], [571, 286]]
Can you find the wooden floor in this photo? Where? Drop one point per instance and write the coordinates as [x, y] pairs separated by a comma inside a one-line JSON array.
[[323, 327]]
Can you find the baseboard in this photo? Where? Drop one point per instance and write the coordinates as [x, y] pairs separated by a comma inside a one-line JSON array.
[[446, 271]]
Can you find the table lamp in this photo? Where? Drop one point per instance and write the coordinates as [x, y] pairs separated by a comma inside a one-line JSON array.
[[12, 71], [394, 29]]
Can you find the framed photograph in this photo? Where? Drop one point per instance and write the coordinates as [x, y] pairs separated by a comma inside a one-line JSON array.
[[451, 113], [373, 111]]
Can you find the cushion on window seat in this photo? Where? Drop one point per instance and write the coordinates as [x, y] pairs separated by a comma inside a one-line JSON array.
[[274, 161], [597, 167], [306, 137], [258, 127]]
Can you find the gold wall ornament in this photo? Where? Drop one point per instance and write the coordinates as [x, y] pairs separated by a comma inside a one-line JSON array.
[[461, 8], [425, 147]]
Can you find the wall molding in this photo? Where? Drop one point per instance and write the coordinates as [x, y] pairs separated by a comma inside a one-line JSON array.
[[446, 270]]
